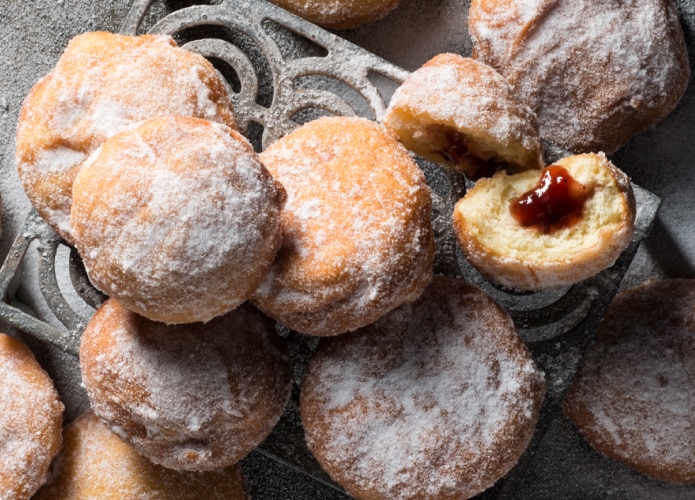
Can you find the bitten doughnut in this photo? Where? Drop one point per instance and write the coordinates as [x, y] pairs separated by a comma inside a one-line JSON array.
[[189, 397], [595, 72], [436, 400], [461, 112], [358, 239], [102, 84], [547, 228], [339, 14], [96, 463], [633, 397], [177, 219], [30, 421]]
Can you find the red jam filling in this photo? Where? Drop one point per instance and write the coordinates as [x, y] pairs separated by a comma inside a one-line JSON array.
[[556, 202]]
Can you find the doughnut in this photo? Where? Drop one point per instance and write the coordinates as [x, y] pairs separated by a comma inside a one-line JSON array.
[[102, 84], [96, 463], [176, 218], [358, 239], [595, 72], [460, 112], [436, 400], [192, 397], [554, 227], [31, 416], [633, 396], [339, 14]]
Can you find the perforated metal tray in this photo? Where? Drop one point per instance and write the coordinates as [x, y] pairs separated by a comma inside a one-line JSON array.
[[282, 71]]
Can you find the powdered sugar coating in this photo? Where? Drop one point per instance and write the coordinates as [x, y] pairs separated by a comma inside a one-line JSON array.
[[436, 400], [30, 421], [633, 397], [177, 219], [451, 95], [358, 239], [339, 14], [190, 397], [103, 84], [595, 72], [96, 463]]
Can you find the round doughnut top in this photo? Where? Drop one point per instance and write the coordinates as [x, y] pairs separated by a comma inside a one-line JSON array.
[[30, 421], [633, 397], [358, 240], [436, 400], [339, 14], [96, 463], [102, 84], [461, 112], [595, 72], [190, 397], [177, 219]]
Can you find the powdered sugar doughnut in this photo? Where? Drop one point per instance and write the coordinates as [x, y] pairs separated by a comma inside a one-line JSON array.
[[30, 421], [96, 463], [102, 84], [339, 14], [357, 234], [189, 397], [596, 72], [437, 400], [177, 219], [633, 397], [460, 112], [547, 228]]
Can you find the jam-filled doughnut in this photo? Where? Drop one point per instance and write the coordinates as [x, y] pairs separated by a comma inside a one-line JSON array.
[[595, 72], [461, 112], [436, 400], [177, 219], [189, 397], [358, 239], [31, 416], [633, 397], [95, 463], [547, 228], [102, 84], [339, 14]]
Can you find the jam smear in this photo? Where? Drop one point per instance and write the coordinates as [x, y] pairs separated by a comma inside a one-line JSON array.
[[556, 202], [457, 153]]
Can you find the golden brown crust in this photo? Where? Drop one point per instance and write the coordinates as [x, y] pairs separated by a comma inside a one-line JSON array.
[[633, 396], [177, 219], [595, 72], [461, 112], [190, 397], [30, 421], [526, 258], [339, 14], [436, 400], [96, 463], [102, 84], [358, 239]]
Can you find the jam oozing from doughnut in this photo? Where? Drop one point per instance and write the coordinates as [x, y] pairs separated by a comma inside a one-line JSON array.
[[556, 202], [451, 145]]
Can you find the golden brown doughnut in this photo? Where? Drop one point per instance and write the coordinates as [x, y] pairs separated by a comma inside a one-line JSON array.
[[567, 233], [633, 397], [595, 72], [436, 400], [339, 14], [461, 112], [357, 233], [177, 219], [96, 464], [189, 397], [31, 416], [102, 84]]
